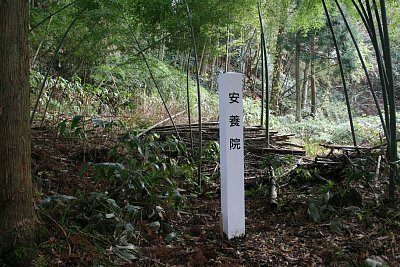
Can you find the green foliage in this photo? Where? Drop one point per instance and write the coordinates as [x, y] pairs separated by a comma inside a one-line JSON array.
[[360, 170], [309, 16], [319, 208], [210, 19], [251, 111], [325, 189], [279, 163], [78, 127], [212, 152], [97, 214], [394, 30], [99, 77], [140, 179], [147, 169], [55, 198], [74, 129], [331, 125]]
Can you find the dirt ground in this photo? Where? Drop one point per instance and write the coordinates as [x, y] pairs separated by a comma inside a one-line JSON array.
[[191, 235]]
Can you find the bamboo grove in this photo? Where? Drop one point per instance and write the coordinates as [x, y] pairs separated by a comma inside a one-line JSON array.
[[199, 32]]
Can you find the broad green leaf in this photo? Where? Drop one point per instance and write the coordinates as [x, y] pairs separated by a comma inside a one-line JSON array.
[[129, 247], [127, 256], [372, 263], [112, 203], [129, 227], [75, 121], [84, 169], [170, 237], [314, 213], [62, 127], [57, 197], [110, 215], [110, 165], [132, 208], [335, 226]]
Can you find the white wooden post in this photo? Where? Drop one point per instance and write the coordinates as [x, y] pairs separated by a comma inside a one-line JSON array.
[[232, 155]]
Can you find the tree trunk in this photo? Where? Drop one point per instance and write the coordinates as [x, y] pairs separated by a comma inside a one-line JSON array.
[[297, 73], [184, 60], [204, 60], [212, 74], [227, 50], [277, 71], [312, 79], [177, 58], [161, 49], [17, 216], [305, 85], [217, 67], [256, 72]]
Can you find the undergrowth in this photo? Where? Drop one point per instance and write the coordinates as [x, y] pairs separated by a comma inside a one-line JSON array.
[[123, 196]]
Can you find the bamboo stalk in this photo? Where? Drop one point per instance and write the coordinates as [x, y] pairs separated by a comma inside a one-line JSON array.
[[53, 59], [198, 93], [393, 157], [264, 64], [262, 81], [341, 73], [161, 122], [156, 85], [188, 104], [227, 49], [369, 24], [384, 127], [51, 15]]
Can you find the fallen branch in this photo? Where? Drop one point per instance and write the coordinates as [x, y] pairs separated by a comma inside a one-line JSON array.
[[283, 151], [61, 229], [161, 122], [319, 177], [342, 147], [290, 144], [382, 145]]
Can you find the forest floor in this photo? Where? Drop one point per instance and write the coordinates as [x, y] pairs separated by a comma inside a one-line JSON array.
[[365, 233]]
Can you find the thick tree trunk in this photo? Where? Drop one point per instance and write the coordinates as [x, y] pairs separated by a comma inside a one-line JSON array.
[[277, 71], [17, 216], [312, 79], [297, 73]]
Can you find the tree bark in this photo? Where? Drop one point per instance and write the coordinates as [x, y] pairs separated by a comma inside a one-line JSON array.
[[305, 85], [204, 60], [212, 74], [17, 215], [161, 49], [312, 79], [277, 71], [297, 73], [255, 76], [227, 49]]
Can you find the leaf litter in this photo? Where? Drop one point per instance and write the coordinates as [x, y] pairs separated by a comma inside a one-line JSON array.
[[297, 233]]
